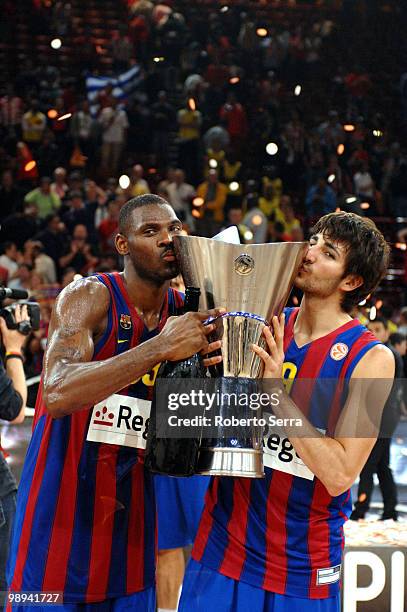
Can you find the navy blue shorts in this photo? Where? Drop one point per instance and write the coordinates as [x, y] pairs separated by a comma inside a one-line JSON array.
[[180, 502], [204, 589]]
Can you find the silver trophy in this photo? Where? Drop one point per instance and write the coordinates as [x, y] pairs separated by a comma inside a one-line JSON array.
[[253, 283]]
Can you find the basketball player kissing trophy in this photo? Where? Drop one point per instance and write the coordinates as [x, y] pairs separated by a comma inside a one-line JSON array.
[[253, 283]]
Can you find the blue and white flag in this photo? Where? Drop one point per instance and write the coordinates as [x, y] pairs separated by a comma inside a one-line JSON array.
[[123, 86]]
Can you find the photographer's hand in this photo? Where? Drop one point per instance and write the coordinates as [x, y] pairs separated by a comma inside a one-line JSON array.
[[13, 342]]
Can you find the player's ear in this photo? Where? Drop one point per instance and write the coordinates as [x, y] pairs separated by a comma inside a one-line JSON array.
[[351, 282], [122, 245]]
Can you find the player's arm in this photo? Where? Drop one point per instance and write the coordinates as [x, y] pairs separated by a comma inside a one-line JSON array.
[[336, 461], [72, 381], [339, 460]]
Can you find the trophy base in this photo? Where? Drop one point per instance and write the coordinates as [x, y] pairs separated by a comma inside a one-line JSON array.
[[230, 462]]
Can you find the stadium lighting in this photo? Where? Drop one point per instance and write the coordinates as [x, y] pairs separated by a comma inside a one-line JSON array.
[[234, 186], [56, 43], [63, 117], [198, 202], [272, 148], [297, 90], [124, 181], [30, 165]]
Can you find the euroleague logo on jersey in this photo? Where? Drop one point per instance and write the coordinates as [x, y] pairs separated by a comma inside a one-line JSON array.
[[339, 351]]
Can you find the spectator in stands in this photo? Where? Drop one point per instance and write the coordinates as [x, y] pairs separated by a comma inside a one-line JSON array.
[[180, 195], [398, 191], [49, 155], [79, 255], [269, 202], [216, 135], [46, 201], [11, 196], [115, 125], [331, 132], [53, 237], [139, 185], [83, 129], [214, 196], [11, 110], [121, 50], [234, 116], [77, 212], [21, 226], [398, 341], [364, 184], [255, 220], [292, 226], [163, 121], [379, 459], [33, 125], [402, 328], [189, 131], [320, 200], [22, 278], [108, 228], [59, 186], [44, 265], [10, 259]]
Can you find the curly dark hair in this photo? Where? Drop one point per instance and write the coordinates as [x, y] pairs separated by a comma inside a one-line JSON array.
[[367, 252]]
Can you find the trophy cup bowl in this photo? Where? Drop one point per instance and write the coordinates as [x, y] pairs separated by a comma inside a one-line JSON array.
[[253, 283]]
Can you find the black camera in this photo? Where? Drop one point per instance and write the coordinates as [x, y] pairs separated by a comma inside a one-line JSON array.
[[25, 327]]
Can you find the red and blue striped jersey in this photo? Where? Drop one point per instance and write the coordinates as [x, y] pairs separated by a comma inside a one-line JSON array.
[[284, 533], [85, 522]]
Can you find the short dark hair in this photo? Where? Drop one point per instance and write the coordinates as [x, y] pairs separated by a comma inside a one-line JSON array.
[[126, 211], [367, 252], [381, 320], [396, 338]]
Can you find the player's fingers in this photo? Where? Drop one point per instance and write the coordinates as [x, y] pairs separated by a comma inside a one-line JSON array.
[[214, 346], [260, 352], [209, 361]]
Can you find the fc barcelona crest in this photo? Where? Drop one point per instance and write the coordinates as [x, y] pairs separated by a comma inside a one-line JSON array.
[[125, 321]]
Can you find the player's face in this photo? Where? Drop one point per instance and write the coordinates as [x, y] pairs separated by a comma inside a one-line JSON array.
[[149, 242], [321, 273]]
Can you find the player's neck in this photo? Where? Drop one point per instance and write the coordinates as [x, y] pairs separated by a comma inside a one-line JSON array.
[[146, 297], [318, 317]]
